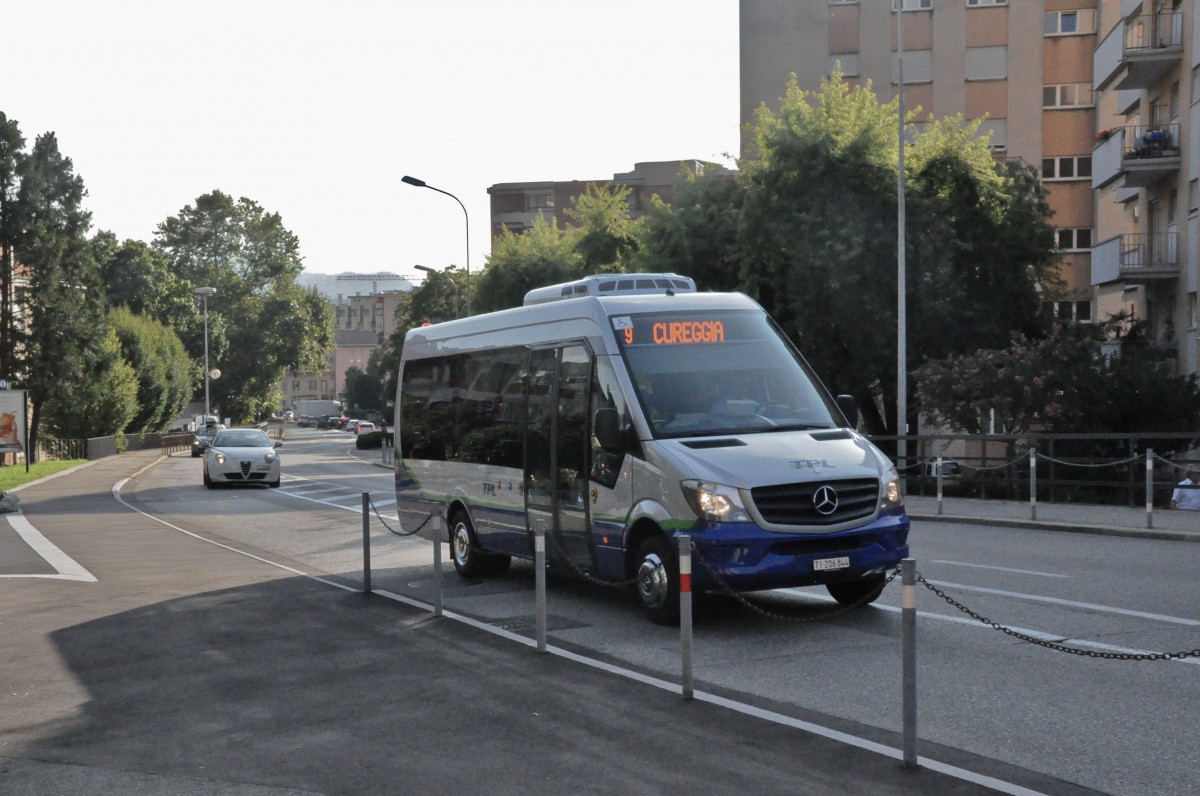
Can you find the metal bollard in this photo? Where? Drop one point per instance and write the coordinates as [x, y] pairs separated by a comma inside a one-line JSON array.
[[685, 611], [939, 485], [539, 577], [1033, 483], [437, 574], [1149, 487], [366, 508], [908, 632]]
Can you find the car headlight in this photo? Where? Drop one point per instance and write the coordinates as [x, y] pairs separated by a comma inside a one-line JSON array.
[[715, 502], [891, 496], [220, 457], [270, 457]]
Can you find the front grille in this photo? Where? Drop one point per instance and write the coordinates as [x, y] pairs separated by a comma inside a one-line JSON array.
[[794, 504], [246, 469]]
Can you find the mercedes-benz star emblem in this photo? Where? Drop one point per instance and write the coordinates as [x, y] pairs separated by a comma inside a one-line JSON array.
[[825, 500]]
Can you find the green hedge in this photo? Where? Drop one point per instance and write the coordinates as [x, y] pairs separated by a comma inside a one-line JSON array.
[[373, 439]]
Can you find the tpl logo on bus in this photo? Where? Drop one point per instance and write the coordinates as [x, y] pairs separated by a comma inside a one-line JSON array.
[[816, 465]]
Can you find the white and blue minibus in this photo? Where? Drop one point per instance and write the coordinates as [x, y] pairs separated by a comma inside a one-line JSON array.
[[620, 411]]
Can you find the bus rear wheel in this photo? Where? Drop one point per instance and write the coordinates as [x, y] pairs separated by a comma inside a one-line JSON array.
[[656, 581], [862, 592], [469, 560]]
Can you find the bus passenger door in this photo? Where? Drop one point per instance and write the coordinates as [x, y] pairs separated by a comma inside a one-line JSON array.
[[557, 449]]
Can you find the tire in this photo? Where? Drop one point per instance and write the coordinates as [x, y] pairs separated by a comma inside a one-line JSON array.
[[657, 581], [274, 484], [208, 482], [469, 560], [862, 592]]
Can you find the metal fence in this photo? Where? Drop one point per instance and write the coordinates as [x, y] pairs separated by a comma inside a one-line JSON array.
[[1068, 468]]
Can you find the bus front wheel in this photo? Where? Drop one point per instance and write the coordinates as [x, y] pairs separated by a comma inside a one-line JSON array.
[[862, 592], [657, 581]]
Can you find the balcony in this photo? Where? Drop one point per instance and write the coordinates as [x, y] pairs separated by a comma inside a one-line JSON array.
[[1137, 259], [1137, 54], [1142, 154]]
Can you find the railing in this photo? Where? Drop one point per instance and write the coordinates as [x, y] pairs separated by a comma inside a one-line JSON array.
[[1151, 141], [1154, 31], [1070, 468], [51, 448], [176, 442], [1145, 250]]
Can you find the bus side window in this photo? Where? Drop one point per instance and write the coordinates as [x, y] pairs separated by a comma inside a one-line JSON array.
[[606, 394]]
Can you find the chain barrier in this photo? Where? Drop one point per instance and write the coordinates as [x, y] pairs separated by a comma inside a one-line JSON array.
[[1114, 463], [400, 532], [981, 468], [1118, 656], [821, 617]]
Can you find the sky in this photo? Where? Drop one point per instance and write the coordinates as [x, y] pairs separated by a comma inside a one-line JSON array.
[[316, 110]]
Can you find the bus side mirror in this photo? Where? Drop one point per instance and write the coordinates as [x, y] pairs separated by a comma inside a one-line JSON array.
[[849, 408], [606, 425]]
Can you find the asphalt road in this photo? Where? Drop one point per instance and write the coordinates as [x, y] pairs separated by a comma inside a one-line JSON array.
[[191, 662]]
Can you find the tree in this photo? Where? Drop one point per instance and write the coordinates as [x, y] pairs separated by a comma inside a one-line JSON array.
[[544, 255], [272, 324], [12, 145], [1059, 383], [602, 232], [99, 400], [166, 375], [65, 296], [809, 230], [363, 390]]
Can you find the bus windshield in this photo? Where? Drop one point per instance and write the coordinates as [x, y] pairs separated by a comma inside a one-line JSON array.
[[710, 373]]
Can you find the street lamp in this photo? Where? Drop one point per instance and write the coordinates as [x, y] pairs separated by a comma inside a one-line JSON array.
[[421, 184], [204, 293], [453, 286]]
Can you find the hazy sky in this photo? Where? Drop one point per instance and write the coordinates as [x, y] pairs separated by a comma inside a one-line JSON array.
[[316, 110]]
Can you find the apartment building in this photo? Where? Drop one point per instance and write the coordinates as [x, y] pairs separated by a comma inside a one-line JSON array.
[[1097, 93], [514, 205]]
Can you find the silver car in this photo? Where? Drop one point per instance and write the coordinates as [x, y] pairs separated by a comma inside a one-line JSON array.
[[241, 456]]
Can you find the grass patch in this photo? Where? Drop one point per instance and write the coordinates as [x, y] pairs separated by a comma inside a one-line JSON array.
[[16, 475]]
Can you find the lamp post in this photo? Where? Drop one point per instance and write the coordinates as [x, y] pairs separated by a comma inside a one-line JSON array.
[[422, 184], [204, 293], [453, 286]]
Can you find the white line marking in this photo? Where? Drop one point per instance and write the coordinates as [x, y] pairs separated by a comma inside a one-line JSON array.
[[1003, 569], [66, 567], [1042, 635]]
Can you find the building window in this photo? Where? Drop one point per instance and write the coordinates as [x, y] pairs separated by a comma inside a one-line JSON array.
[[1074, 239], [971, 3], [1067, 168], [843, 2], [911, 5], [1067, 95], [918, 67], [539, 201], [1069, 310], [848, 62], [987, 63], [1070, 23]]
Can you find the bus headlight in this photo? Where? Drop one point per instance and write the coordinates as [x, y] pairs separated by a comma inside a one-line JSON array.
[[715, 502], [892, 497]]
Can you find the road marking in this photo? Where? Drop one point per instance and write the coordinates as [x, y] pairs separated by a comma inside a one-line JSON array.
[[1041, 635], [66, 567], [1004, 569]]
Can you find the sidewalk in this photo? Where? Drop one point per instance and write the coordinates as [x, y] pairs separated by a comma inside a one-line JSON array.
[[1070, 517]]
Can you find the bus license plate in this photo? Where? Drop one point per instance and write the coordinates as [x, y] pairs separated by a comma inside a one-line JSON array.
[[842, 562]]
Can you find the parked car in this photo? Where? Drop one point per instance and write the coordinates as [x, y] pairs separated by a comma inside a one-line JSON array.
[[241, 456], [350, 425], [203, 438]]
